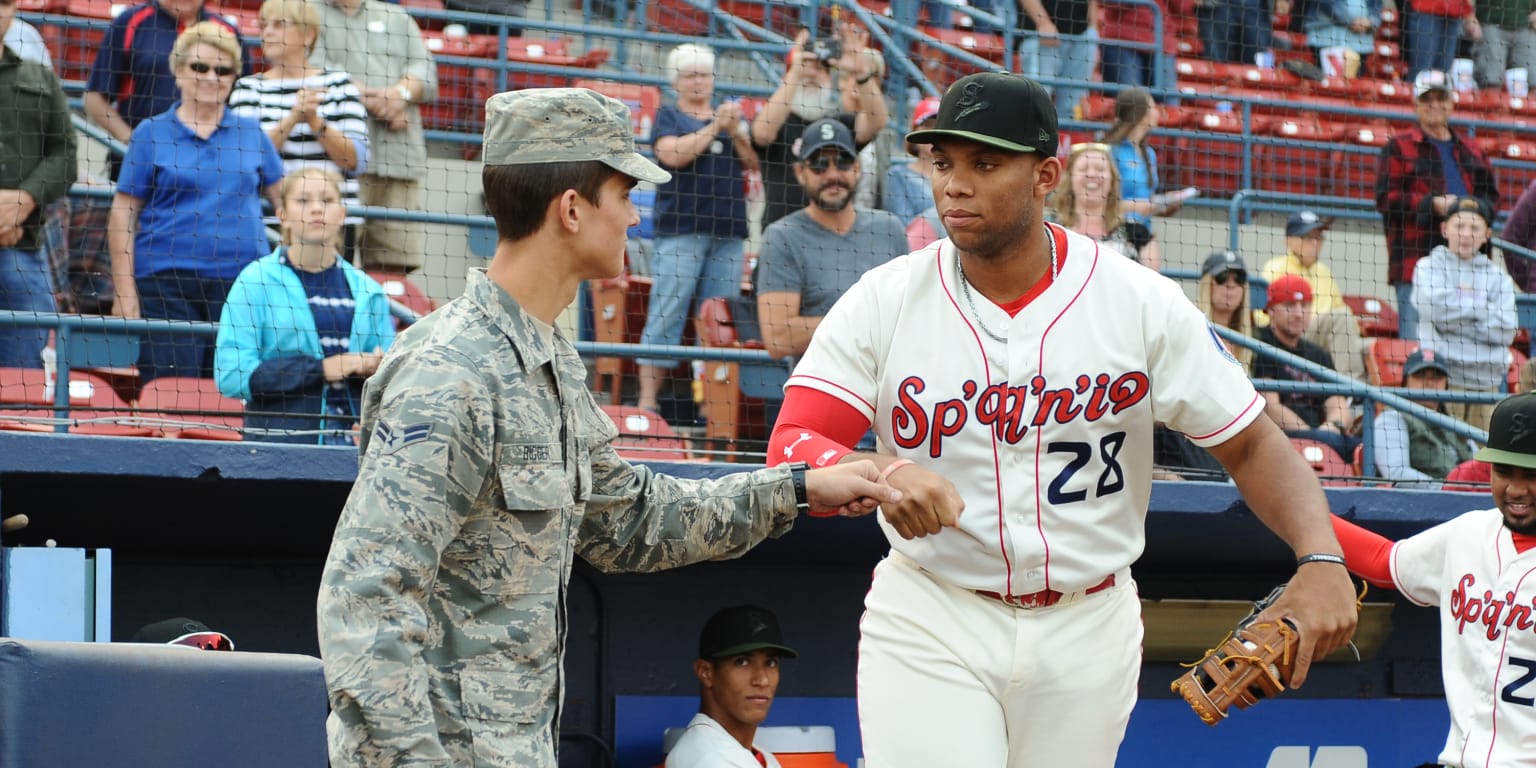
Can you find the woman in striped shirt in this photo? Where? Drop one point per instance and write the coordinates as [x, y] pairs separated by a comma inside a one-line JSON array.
[[315, 117]]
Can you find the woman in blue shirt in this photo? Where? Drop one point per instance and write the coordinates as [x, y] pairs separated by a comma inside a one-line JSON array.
[[1135, 116], [302, 328], [187, 214]]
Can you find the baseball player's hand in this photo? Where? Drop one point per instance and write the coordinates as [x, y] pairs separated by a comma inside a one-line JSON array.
[[1320, 600], [931, 502], [851, 489]]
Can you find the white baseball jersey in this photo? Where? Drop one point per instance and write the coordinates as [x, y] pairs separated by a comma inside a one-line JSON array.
[[707, 745], [1047, 437], [1486, 593]]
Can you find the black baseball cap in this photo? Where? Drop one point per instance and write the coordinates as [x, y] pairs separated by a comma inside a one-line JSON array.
[[1223, 261], [1512, 433], [1475, 205], [822, 134], [997, 109], [1423, 360], [742, 629], [1303, 223]]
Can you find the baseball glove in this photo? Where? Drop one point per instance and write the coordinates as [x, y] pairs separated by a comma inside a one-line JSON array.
[[1253, 662]]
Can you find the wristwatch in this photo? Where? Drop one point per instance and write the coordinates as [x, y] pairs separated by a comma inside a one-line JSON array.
[[797, 472], [405, 93]]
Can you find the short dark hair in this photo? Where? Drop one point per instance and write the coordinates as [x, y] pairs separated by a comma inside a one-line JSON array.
[[517, 196]]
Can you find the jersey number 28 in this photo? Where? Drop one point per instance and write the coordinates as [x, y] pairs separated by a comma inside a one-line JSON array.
[[1111, 477]]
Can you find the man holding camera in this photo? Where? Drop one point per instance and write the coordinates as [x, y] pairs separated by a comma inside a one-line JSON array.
[[837, 78]]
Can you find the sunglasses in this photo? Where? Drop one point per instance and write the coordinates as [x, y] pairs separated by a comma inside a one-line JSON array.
[[821, 163], [203, 68], [208, 641], [1227, 278]]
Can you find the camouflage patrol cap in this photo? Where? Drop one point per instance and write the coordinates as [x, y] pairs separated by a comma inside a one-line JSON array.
[[553, 125]]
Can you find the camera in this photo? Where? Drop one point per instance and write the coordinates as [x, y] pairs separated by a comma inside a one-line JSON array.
[[825, 51]]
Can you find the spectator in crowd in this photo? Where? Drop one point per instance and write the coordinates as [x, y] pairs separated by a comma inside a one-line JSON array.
[[37, 166], [380, 47], [513, 11], [302, 329], [1088, 202], [907, 190], [486, 468], [1433, 29], [314, 116], [1133, 23], [1223, 296], [1325, 418], [1466, 308], [1333, 327], [701, 213], [187, 214], [1136, 114], [23, 38], [738, 670], [1520, 229], [1408, 449], [1508, 40], [1239, 30], [1351, 24], [1423, 169], [809, 93], [1060, 39], [132, 79], [812, 256]]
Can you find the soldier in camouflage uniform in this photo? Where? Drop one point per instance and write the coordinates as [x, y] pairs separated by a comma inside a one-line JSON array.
[[486, 466]]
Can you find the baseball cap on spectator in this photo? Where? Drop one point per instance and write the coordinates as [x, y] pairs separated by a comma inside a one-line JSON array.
[[1475, 205], [925, 109], [997, 109], [1430, 80], [1221, 262], [825, 133], [1511, 438], [1422, 360], [549, 125], [1288, 288], [742, 629], [183, 631], [1303, 223]]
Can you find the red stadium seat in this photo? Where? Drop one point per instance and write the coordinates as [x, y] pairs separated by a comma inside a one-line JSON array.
[[734, 394], [944, 68], [190, 408], [1300, 169], [1267, 78], [1097, 107], [1377, 318], [1326, 462], [643, 102], [399, 288], [1214, 165], [1355, 170], [94, 406], [1198, 71], [77, 45], [1384, 364], [456, 108], [1513, 178], [643, 434]]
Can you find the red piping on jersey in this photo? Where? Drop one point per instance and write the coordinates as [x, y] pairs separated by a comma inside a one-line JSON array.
[[1061, 242], [1256, 400], [1493, 724]]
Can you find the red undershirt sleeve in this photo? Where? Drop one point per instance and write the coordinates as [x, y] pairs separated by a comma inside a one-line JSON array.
[[814, 427], [1367, 553]]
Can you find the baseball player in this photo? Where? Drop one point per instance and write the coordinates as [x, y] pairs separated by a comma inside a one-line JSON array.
[[738, 671], [1479, 569], [1013, 373]]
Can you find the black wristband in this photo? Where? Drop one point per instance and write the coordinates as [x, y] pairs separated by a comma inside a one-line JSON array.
[[797, 472], [1319, 557]]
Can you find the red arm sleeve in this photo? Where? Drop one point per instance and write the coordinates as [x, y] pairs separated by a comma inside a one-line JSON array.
[[814, 427], [1368, 553]]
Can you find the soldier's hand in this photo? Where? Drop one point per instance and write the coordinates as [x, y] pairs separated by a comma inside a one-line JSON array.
[[850, 489], [929, 504]]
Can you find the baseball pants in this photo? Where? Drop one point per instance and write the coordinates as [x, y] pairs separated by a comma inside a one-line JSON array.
[[949, 677]]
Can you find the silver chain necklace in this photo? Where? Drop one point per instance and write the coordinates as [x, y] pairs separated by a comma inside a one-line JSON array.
[[965, 288]]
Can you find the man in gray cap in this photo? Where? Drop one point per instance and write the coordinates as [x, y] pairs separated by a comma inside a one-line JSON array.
[[810, 257], [486, 466]]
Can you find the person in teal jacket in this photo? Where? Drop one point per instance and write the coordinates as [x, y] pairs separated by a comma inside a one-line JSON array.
[[302, 329]]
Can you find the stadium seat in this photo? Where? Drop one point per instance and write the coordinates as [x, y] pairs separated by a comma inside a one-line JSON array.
[[734, 393], [400, 289], [940, 67], [26, 396], [190, 408], [1302, 168], [1355, 168], [1514, 165], [1376, 316], [1382, 90], [78, 44], [546, 52], [456, 108], [1384, 364], [1194, 70], [426, 5], [1214, 165], [677, 17], [1517, 360], [643, 435], [1267, 78], [1097, 107], [1331, 468], [643, 102], [618, 316]]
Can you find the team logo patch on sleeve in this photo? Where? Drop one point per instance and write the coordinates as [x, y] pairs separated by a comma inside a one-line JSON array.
[[393, 440], [1221, 345]]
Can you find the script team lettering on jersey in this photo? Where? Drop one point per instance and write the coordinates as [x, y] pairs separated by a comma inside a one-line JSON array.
[[1003, 407], [1486, 610]]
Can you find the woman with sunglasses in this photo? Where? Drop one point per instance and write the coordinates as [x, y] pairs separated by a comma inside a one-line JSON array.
[[1223, 297], [1088, 202], [187, 214], [302, 328], [314, 116]]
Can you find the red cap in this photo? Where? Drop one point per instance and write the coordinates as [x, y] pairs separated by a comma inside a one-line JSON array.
[[1289, 288], [924, 110]]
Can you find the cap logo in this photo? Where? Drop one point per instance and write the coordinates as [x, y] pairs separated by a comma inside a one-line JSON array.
[[758, 625], [1044, 137], [826, 132], [968, 100], [1519, 428]]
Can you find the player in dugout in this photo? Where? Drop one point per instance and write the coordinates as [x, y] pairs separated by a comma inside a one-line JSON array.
[[1013, 373]]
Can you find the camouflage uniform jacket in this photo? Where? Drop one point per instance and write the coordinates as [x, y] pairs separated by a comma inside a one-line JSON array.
[[485, 464]]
